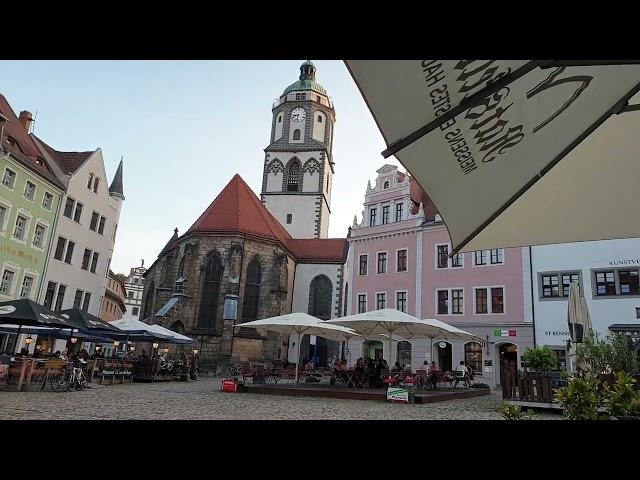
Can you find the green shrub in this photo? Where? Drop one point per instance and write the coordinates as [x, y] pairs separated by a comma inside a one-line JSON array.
[[622, 398], [582, 397], [540, 359], [513, 412], [612, 354]]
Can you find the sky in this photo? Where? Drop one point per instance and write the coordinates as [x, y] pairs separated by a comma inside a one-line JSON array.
[[184, 129]]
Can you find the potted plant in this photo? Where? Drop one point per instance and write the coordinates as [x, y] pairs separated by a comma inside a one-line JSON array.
[[540, 359]]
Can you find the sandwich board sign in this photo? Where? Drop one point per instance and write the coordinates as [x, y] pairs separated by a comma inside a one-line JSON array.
[[397, 395]]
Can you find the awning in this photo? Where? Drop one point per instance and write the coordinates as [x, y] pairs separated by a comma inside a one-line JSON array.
[[487, 141]]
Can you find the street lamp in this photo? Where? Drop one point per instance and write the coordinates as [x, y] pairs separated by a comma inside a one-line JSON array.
[[74, 340], [116, 344], [28, 340], [195, 351], [155, 345], [132, 348]]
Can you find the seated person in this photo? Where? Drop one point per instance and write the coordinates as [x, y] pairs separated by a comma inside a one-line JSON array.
[[396, 367], [336, 365], [465, 373], [359, 366], [470, 370], [434, 374]]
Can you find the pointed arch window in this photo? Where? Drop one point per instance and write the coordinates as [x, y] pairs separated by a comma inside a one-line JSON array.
[[180, 281], [252, 291], [320, 295], [293, 182], [296, 134], [208, 312]]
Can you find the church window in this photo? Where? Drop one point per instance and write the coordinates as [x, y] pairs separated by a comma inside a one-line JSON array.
[[210, 293], [386, 185], [279, 118], [319, 118], [252, 291], [320, 295], [296, 134], [294, 177]]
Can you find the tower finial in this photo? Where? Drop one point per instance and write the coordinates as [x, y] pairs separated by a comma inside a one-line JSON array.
[[308, 71]]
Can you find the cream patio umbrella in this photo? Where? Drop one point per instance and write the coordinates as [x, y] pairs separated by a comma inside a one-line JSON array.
[[496, 142], [389, 321], [301, 324], [578, 319]]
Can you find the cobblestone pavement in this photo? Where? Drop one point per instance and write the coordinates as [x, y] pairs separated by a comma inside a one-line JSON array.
[[203, 399]]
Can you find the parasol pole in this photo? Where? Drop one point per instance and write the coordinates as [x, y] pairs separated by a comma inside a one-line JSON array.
[[17, 338], [298, 357]]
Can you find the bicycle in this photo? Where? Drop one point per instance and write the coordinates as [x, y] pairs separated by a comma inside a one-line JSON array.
[[72, 377]]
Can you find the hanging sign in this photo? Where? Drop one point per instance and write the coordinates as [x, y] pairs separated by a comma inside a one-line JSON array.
[[504, 333]]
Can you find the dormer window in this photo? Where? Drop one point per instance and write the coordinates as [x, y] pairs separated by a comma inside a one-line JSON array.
[[11, 142], [386, 185], [39, 161], [90, 181]]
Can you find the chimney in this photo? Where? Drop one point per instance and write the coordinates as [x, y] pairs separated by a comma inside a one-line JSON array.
[[26, 119]]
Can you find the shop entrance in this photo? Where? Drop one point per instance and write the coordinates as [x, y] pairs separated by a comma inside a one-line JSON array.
[[444, 356], [508, 355]]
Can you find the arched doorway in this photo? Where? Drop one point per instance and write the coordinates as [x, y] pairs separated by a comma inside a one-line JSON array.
[[507, 360], [372, 349], [443, 351]]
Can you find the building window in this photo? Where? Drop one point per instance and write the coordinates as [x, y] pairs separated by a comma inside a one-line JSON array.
[[457, 260], [605, 283], [95, 185], [401, 301], [59, 254], [94, 262], [443, 256], [60, 297], [617, 282], [289, 218], [21, 227], [252, 291], [7, 281], [319, 118], [87, 301], [385, 214], [363, 264], [90, 181], [481, 300], [497, 300], [296, 134], [628, 282], [386, 185], [443, 302], [3, 215], [473, 356], [399, 208], [9, 178], [47, 201], [27, 283], [402, 261], [78, 212], [38, 235], [86, 258], [68, 207], [210, 292], [567, 280], [320, 297], [134, 311], [457, 302], [279, 118], [550, 286], [381, 301], [77, 300], [293, 178], [496, 256], [48, 297], [94, 221], [480, 257], [372, 216], [69, 255], [382, 262], [101, 225], [362, 303], [29, 190]]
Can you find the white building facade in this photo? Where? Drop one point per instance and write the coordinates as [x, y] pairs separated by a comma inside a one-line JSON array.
[[134, 286], [607, 272]]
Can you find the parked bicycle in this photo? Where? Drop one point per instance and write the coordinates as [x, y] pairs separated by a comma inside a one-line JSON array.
[[73, 377]]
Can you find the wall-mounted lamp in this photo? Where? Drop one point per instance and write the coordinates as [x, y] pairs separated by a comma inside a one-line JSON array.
[[74, 340], [156, 345], [28, 340]]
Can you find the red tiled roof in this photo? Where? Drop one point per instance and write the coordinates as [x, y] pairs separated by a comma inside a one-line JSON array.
[[69, 161], [25, 149], [238, 210], [325, 250], [419, 195]]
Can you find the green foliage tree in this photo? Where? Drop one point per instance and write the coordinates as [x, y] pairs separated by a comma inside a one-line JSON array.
[[540, 359], [610, 355], [622, 398], [582, 397]]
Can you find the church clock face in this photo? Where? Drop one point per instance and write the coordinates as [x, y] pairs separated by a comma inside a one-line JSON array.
[[298, 114]]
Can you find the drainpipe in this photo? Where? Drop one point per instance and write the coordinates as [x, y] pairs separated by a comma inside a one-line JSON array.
[[533, 308]]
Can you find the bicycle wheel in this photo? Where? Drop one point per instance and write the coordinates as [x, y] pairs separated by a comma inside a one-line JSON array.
[[59, 383]]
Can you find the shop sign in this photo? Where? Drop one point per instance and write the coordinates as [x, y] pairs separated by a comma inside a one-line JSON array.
[[504, 333], [398, 395], [117, 368]]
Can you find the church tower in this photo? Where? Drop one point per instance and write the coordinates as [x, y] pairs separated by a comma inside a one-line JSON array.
[[298, 166]]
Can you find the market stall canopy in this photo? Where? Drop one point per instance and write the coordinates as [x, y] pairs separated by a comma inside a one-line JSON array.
[[506, 148], [141, 331], [87, 321], [61, 333], [28, 312]]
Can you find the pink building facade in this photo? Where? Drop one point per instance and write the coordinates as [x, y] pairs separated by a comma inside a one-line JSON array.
[[399, 258]]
